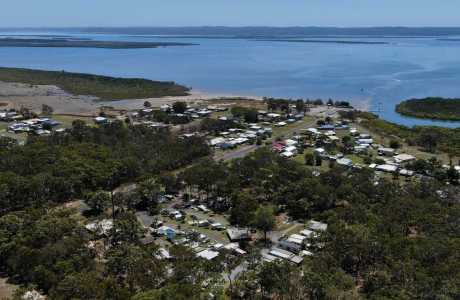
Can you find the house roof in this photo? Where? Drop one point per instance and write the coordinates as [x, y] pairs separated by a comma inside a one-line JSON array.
[[317, 226], [403, 157], [208, 254], [387, 168]]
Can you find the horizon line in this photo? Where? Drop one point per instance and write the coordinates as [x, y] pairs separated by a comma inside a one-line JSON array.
[[234, 26]]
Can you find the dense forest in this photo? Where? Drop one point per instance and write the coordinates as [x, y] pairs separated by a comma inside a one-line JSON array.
[[65, 166], [386, 239], [103, 87], [431, 108]]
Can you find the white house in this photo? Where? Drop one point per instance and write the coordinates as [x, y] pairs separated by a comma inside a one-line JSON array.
[[403, 158], [208, 254], [317, 226]]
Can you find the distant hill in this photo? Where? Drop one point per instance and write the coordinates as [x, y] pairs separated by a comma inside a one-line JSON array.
[[431, 108]]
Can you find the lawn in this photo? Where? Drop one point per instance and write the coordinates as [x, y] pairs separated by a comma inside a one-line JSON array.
[[66, 121]]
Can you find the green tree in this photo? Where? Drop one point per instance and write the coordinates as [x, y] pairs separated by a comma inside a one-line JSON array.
[[148, 192], [179, 107], [429, 140], [47, 110], [243, 209], [309, 159], [98, 201], [300, 105], [264, 219], [395, 144], [126, 229]]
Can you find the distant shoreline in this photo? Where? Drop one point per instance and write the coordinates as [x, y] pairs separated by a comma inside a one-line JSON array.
[[83, 43], [322, 41], [433, 108]]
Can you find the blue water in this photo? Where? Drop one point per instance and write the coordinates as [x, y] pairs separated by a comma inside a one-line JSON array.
[[369, 76]]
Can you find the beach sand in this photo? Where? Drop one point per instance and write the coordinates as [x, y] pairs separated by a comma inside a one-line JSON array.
[[15, 95]]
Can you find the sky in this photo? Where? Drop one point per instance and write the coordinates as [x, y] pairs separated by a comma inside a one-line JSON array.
[[342, 13]]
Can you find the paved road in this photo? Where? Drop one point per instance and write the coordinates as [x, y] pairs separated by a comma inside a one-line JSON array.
[[238, 153]]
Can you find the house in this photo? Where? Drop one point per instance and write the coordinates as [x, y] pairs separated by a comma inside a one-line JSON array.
[[361, 148], [283, 254], [217, 247], [33, 295], [403, 158], [273, 116], [291, 149], [386, 151], [326, 127], [269, 258], [41, 132], [299, 116], [208, 254], [50, 123], [102, 227], [308, 233], [165, 107], [203, 208], [296, 239], [386, 168], [166, 231], [344, 162], [287, 154], [354, 132], [290, 142], [317, 226], [333, 138], [217, 226], [365, 136], [304, 253], [235, 234], [101, 120], [203, 223], [278, 147], [216, 141], [405, 172], [312, 131], [162, 253], [320, 151], [290, 246], [365, 141], [235, 248]]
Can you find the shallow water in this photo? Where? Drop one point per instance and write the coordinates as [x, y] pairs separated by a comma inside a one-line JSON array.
[[371, 76]]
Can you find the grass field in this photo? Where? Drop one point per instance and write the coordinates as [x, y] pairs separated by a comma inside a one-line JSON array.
[[66, 121]]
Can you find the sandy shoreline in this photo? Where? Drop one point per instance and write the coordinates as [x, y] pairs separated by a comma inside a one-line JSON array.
[[15, 95]]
